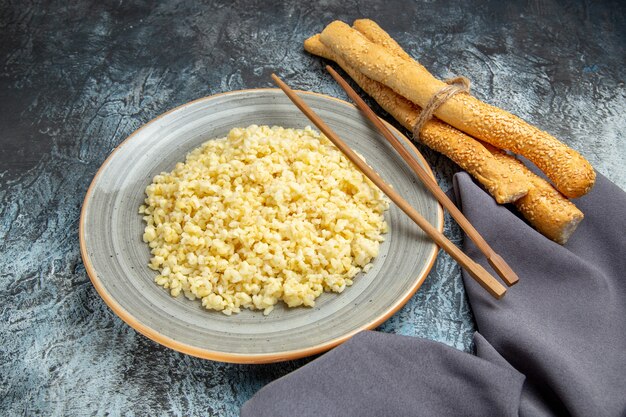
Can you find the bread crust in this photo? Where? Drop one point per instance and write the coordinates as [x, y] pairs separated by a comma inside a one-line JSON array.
[[549, 211], [566, 168], [545, 208], [470, 155]]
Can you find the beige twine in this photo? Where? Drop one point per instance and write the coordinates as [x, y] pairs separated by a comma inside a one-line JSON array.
[[455, 86]]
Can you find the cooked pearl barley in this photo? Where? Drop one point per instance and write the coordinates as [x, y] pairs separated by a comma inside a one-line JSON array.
[[262, 215]]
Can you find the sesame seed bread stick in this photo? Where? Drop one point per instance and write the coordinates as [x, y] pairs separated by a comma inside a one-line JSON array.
[[376, 34], [570, 172], [546, 209], [551, 213], [470, 155]]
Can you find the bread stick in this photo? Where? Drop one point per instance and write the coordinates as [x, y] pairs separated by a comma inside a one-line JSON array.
[[376, 34], [553, 215], [546, 209], [470, 155], [569, 171]]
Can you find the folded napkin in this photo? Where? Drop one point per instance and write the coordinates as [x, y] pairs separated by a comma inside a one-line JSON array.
[[554, 345]]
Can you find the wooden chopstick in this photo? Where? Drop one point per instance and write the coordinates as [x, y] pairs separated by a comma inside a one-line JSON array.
[[477, 272], [495, 260]]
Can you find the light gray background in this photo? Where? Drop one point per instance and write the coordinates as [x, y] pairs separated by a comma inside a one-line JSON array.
[[76, 79]]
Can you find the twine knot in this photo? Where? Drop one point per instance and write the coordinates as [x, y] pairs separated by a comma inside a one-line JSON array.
[[455, 86]]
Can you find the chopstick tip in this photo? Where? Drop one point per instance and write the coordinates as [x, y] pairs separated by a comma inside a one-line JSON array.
[[280, 83], [503, 269], [332, 72]]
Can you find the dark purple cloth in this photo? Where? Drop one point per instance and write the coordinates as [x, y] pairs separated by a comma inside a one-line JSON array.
[[564, 324], [555, 345]]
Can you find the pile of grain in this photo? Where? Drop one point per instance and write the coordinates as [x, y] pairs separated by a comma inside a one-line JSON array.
[[262, 215]]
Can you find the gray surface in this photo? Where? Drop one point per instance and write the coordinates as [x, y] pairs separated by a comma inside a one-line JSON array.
[[76, 80], [112, 230]]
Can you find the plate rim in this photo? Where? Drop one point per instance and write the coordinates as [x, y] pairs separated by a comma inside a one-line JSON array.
[[238, 357]]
